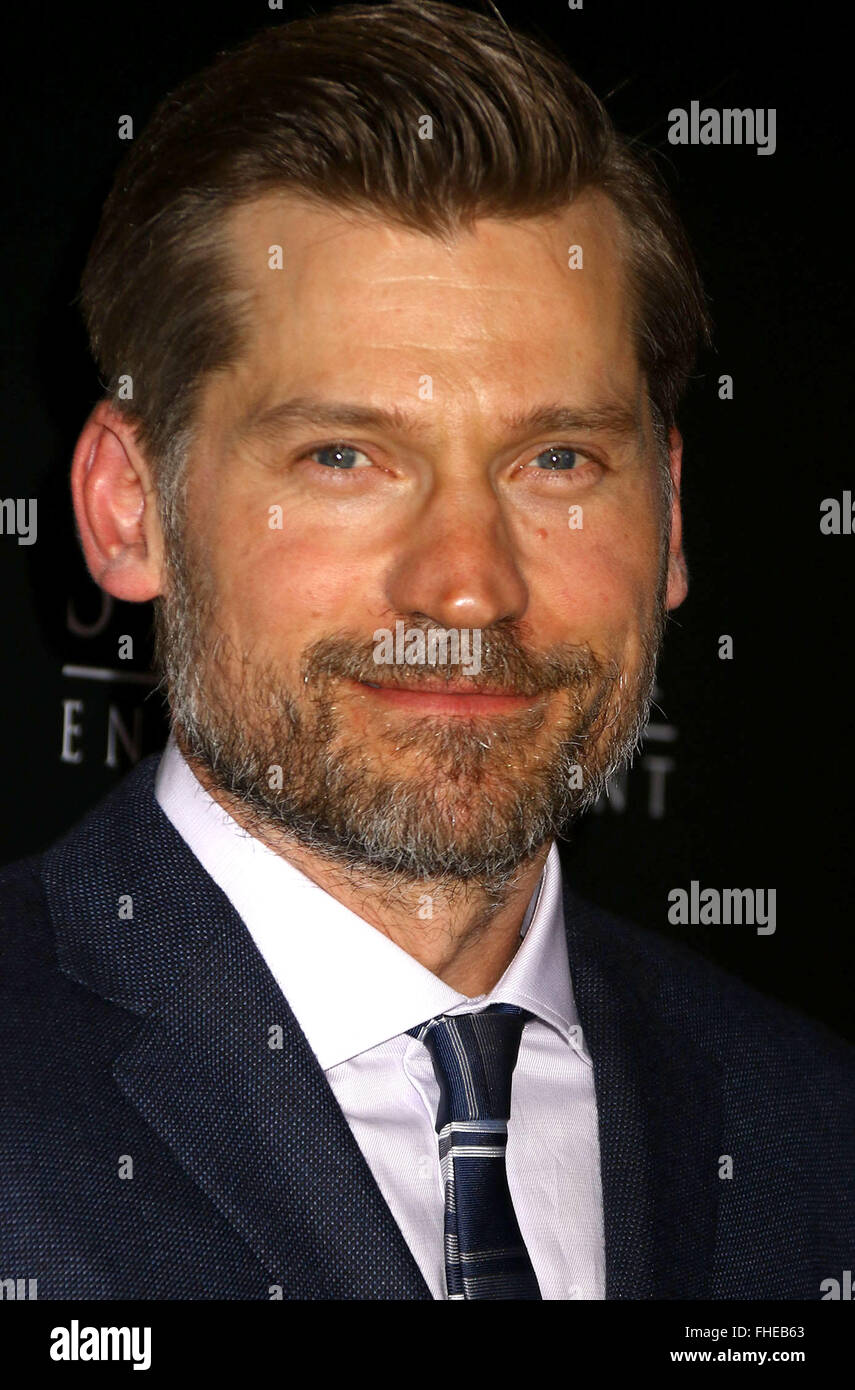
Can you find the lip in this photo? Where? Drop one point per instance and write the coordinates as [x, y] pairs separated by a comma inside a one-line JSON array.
[[444, 697]]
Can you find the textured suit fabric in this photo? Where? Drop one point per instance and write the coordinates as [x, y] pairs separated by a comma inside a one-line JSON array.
[[147, 1040]]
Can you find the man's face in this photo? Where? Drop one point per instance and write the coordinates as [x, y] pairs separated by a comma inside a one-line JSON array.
[[452, 507]]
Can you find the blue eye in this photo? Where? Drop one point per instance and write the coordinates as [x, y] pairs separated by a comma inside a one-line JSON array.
[[557, 459], [336, 456]]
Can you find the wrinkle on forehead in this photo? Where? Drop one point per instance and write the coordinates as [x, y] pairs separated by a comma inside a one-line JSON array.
[[443, 280], [352, 290], [283, 210]]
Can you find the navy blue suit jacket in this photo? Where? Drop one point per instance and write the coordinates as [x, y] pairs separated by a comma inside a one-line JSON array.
[[147, 1039]]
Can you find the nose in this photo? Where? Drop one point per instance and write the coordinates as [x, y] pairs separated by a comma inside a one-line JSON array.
[[458, 568]]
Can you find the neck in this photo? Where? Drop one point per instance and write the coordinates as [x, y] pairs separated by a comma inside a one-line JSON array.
[[463, 933]]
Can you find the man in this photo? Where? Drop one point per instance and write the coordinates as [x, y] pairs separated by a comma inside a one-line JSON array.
[[395, 327]]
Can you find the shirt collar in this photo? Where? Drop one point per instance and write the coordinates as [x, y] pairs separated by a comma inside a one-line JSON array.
[[348, 985]]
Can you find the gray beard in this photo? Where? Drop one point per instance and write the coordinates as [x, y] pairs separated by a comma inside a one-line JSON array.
[[480, 796]]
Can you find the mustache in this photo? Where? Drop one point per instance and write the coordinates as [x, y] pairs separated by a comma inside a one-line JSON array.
[[507, 664]]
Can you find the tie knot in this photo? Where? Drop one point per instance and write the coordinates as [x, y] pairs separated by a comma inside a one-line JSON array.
[[473, 1057]]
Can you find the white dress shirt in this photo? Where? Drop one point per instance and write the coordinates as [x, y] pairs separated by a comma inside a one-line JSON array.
[[355, 993]]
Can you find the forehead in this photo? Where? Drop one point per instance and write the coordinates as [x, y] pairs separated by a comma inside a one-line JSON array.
[[362, 309]]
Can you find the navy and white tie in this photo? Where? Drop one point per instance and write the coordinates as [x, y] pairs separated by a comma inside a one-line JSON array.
[[473, 1057]]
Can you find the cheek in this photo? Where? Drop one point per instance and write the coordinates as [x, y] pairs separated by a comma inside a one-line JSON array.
[[600, 588], [283, 586]]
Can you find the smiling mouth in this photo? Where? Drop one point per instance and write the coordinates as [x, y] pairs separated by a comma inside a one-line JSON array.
[[450, 697]]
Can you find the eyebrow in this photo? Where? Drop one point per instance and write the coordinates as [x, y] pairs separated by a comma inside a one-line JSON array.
[[612, 417]]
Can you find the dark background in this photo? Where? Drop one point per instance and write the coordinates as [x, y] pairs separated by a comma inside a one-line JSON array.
[[758, 755]]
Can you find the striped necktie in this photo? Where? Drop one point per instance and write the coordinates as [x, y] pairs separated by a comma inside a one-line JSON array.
[[473, 1057]]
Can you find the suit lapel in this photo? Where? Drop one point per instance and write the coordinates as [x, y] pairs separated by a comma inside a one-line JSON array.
[[259, 1129], [659, 1107], [255, 1125]]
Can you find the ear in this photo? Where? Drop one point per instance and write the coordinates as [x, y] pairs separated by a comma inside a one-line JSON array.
[[678, 575], [115, 506]]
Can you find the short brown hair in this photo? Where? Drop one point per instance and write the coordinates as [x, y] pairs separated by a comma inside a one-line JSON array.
[[330, 108]]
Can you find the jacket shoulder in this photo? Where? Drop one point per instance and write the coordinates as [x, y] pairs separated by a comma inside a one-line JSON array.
[[25, 919], [721, 1012], [35, 888]]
